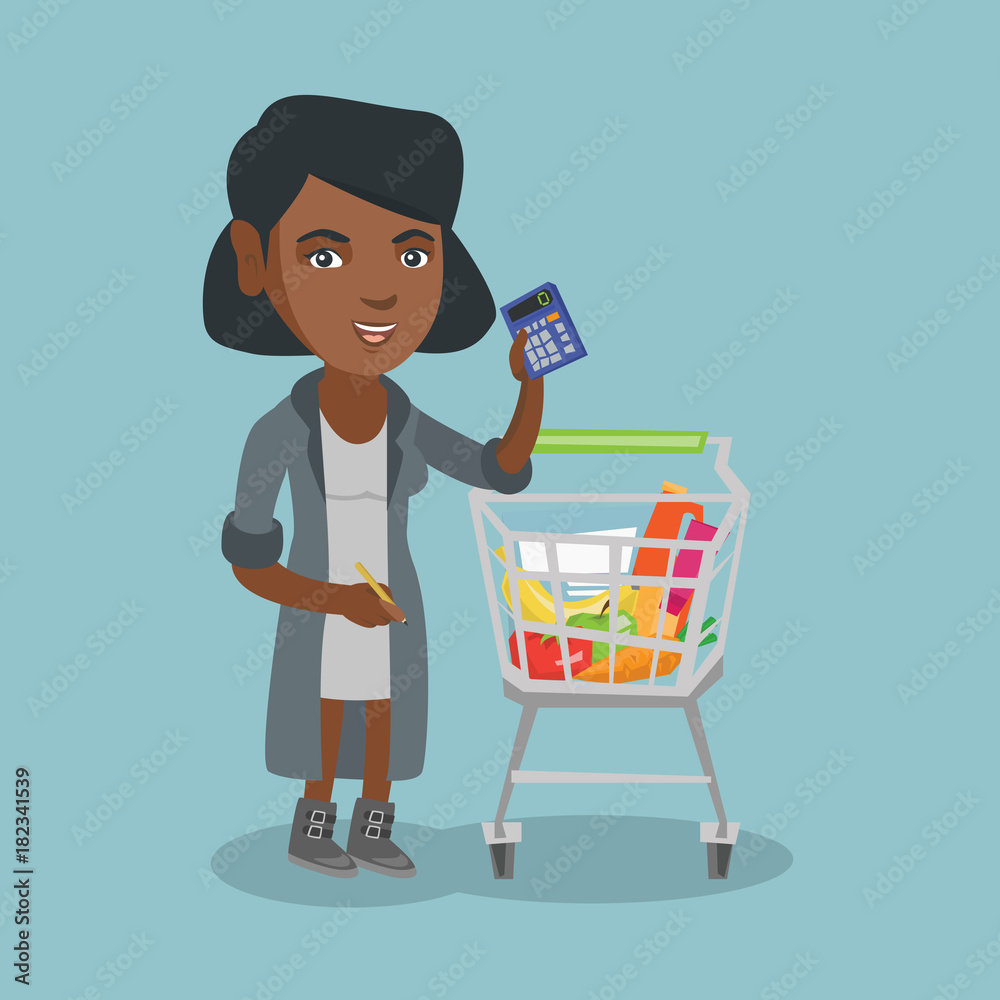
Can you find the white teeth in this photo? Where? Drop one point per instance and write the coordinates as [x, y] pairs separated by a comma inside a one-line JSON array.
[[375, 329]]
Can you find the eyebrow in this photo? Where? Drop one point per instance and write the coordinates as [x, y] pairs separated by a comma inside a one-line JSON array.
[[410, 233], [330, 234]]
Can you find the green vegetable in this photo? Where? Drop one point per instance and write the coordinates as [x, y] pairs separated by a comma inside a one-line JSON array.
[[711, 637]]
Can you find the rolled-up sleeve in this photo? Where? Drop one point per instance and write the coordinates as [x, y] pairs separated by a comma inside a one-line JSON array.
[[251, 537], [497, 478], [250, 549], [466, 460]]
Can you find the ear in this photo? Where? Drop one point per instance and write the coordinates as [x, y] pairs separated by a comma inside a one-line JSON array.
[[249, 257]]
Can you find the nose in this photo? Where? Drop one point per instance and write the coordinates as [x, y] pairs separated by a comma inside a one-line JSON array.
[[380, 303]]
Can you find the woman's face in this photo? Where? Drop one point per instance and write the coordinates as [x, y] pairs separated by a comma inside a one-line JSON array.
[[359, 285]]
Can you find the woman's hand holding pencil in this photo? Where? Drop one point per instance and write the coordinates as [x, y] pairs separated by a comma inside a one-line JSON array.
[[368, 613]]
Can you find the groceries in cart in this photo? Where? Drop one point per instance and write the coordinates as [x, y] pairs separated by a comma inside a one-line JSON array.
[[640, 609], [538, 605], [544, 651]]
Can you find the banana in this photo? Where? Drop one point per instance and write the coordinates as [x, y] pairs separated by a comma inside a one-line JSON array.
[[537, 604]]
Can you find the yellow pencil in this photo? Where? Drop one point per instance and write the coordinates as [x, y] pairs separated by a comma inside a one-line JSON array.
[[370, 580]]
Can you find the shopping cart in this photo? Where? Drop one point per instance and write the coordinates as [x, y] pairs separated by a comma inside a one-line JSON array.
[[538, 523]]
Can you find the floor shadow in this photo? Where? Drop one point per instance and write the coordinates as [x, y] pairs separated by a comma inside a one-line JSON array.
[[639, 859]]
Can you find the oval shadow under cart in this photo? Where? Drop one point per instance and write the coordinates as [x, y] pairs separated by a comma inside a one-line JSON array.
[[639, 859]]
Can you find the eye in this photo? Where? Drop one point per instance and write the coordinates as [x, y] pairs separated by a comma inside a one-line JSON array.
[[415, 258], [325, 258]]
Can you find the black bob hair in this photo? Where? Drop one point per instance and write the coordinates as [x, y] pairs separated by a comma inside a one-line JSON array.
[[409, 162]]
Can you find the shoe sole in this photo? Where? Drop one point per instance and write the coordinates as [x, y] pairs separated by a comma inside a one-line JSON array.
[[324, 869], [391, 872]]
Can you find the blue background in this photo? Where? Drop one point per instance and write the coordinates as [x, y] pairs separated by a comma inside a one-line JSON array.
[[686, 127]]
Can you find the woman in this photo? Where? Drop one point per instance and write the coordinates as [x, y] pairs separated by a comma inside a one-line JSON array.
[[341, 246]]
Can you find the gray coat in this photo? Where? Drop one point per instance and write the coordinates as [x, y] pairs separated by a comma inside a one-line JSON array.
[[287, 440]]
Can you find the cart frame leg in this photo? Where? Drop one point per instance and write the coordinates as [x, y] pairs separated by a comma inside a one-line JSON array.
[[693, 717], [528, 713]]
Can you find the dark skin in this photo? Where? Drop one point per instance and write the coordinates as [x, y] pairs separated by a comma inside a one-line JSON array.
[[347, 277]]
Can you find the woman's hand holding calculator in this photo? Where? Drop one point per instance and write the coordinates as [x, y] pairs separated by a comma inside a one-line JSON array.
[[517, 366]]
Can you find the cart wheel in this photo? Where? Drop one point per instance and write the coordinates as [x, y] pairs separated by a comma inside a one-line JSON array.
[[502, 856], [718, 860]]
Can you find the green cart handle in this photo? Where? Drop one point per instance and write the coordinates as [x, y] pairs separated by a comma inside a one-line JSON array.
[[586, 442]]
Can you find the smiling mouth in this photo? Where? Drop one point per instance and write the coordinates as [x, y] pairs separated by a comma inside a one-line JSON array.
[[372, 334]]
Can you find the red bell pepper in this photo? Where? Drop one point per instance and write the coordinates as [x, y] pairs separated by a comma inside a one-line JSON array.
[[545, 658]]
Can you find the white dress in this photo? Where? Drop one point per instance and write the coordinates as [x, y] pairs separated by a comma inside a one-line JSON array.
[[355, 662]]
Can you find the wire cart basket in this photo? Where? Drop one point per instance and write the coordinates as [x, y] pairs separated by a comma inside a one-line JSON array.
[[529, 601]]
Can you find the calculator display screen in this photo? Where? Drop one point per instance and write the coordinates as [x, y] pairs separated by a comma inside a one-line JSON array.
[[527, 306]]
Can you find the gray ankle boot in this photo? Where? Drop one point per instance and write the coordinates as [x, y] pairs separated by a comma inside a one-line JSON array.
[[311, 843], [368, 842]]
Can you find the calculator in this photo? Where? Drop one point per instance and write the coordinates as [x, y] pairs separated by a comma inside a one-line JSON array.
[[552, 338]]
